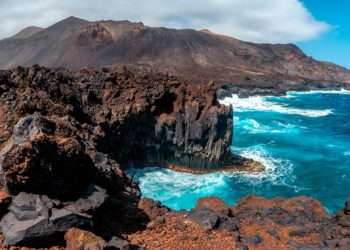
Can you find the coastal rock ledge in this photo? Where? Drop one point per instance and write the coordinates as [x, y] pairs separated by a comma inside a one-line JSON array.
[[135, 118], [65, 138]]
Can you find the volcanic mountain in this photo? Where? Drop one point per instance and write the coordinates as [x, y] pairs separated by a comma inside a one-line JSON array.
[[196, 55]]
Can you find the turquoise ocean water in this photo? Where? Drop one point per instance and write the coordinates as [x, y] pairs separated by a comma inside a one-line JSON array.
[[302, 138]]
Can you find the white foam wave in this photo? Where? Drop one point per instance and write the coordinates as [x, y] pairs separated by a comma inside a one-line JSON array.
[[164, 183], [181, 190], [254, 127], [276, 170], [288, 125], [341, 92], [160, 181], [258, 103]]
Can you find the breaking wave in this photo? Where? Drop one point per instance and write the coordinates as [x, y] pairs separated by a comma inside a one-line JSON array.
[[182, 190], [258, 103], [338, 92], [302, 156], [252, 126]]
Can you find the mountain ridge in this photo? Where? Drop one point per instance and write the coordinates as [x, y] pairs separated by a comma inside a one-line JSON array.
[[198, 56]]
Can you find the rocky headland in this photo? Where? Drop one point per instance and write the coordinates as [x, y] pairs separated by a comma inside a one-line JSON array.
[[67, 136], [134, 118]]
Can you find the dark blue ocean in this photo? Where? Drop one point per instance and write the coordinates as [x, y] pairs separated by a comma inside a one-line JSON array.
[[303, 139]]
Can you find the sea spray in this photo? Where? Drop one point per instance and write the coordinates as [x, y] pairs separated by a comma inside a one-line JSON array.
[[259, 103]]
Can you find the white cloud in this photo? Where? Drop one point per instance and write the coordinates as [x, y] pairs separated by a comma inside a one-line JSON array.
[[251, 20]]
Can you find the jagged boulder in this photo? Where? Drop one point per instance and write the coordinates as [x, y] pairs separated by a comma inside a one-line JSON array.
[[209, 220], [36, 160], [34, 218]]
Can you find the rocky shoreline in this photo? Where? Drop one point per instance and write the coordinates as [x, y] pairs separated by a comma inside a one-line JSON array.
[[65, 137], [253, 223], [148, 117], [266, 86], [239, 164]]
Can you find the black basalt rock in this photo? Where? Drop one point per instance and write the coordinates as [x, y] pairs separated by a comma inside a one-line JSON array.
[[209, 220], [34, 219], [205, 217]]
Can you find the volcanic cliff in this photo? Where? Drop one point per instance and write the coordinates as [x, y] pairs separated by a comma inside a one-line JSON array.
[[66, 137], [197, 56]]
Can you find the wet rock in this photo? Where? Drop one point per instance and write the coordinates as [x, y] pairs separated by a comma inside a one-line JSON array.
[[77, 239], [33, 218]]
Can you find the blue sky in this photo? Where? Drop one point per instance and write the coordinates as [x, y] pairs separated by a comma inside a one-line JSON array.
[[333, 45]]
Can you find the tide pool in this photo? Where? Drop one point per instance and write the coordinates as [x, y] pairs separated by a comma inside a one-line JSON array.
[[303, 139]]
